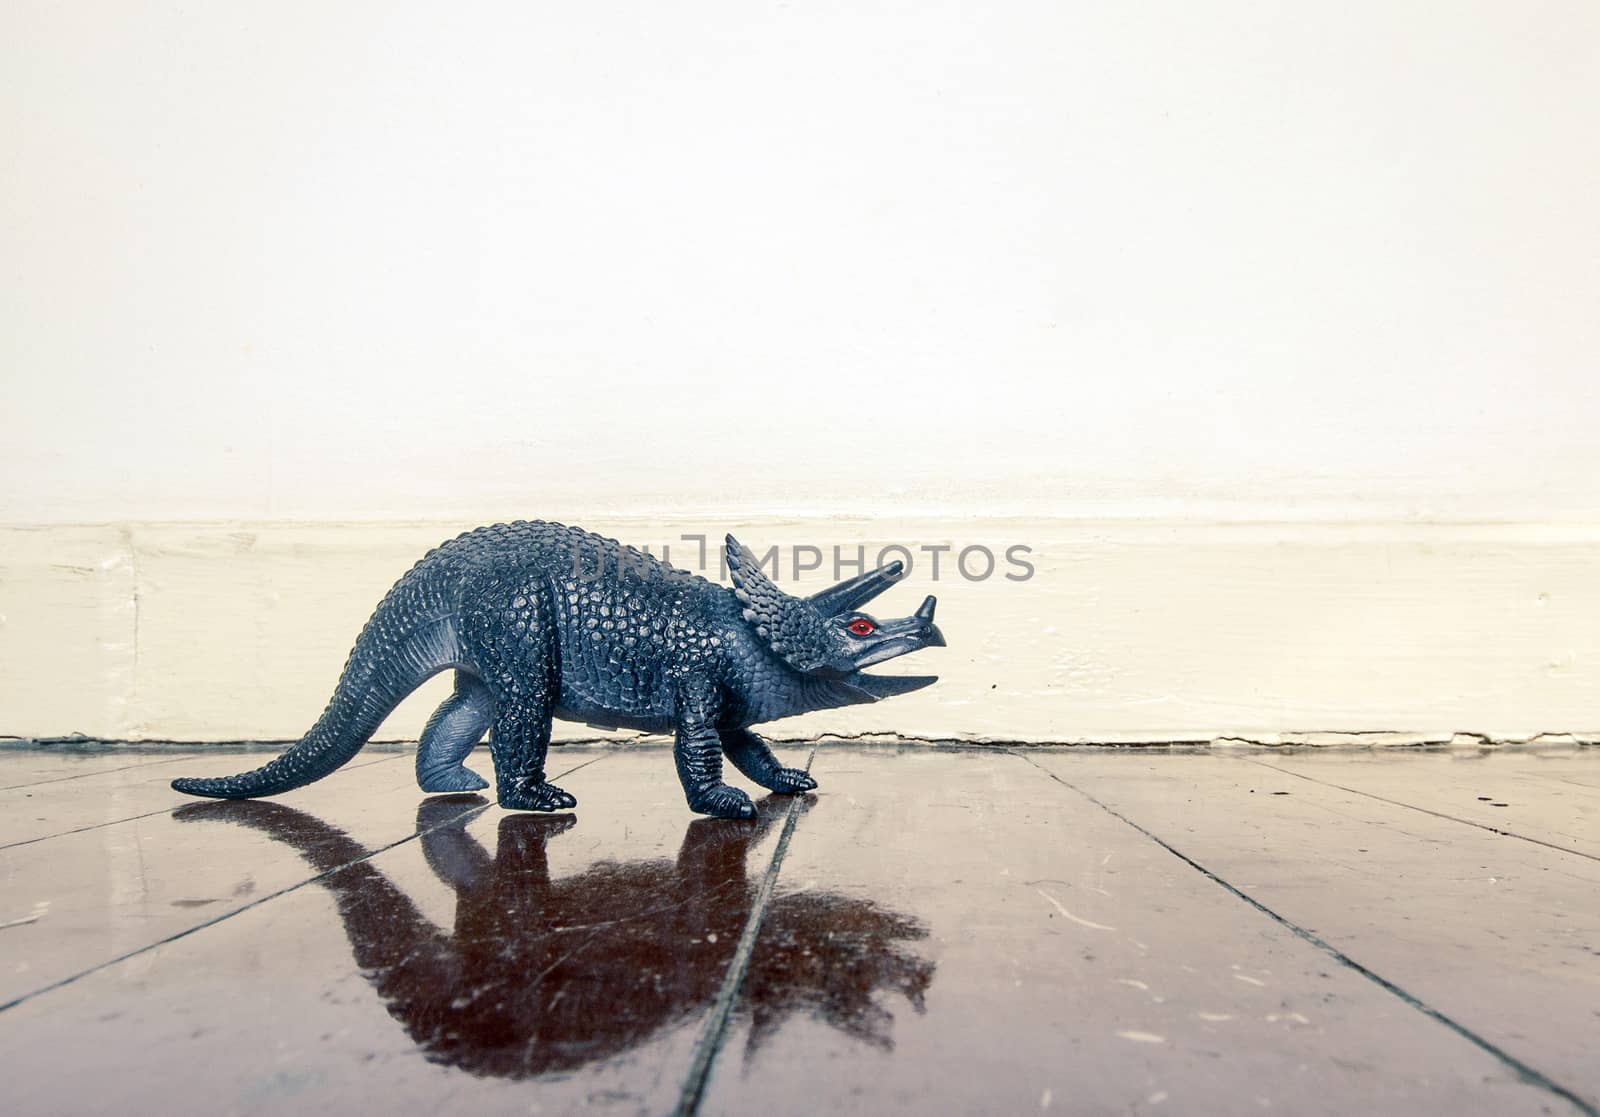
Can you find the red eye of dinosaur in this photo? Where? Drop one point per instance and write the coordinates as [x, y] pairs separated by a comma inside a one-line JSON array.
[[861, 627]]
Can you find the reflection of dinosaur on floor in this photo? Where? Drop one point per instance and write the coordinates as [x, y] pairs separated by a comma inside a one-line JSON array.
[[542, 976]]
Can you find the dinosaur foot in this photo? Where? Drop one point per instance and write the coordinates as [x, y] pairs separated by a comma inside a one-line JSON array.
[[789, 781], [723, 801], [524, 793], [457, 778]]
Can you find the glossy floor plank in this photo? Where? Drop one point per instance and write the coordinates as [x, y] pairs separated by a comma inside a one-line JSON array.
[[1542, 797], [80, 900], [30, 767], [946, 932], [998, 944], [1498, 934], [116, 794], [502, 962]]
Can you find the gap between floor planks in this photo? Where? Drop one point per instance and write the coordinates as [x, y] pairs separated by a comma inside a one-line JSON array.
[[146, 814], [466, 814], [1522, 1070], [709, 1045], [1426, 810], [103, 771]]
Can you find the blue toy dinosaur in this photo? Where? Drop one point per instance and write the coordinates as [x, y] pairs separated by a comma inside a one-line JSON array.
[[541, 620]]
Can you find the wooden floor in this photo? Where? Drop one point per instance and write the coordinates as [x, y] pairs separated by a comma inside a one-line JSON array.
[[937, 931]]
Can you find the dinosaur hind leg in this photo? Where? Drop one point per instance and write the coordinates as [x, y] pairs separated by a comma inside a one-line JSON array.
[[453, 731]]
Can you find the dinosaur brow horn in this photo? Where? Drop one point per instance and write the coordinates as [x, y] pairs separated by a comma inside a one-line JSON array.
[[852, 593]]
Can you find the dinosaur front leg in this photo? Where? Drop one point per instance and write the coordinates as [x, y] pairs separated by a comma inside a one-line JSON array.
[[453, 731], [699, 755], [518, 742], [751, 756]]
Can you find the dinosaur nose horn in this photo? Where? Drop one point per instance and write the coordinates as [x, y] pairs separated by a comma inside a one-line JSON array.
[[925, 614]]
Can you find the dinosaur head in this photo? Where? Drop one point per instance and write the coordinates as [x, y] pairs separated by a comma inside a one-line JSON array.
[[827, 635]]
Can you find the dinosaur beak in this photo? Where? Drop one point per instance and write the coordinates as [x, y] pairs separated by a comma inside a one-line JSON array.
[[896, 638], [852, 593], [900, 637]]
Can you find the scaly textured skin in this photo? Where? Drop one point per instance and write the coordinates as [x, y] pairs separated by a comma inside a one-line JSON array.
[[540, 620]]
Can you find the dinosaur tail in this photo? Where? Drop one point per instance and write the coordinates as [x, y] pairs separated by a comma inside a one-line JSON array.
[[411, 636]]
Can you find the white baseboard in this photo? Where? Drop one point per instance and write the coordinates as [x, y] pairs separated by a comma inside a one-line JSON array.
[[1125, 632]]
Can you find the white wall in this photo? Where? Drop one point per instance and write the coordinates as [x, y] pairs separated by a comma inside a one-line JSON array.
[[396, 260], [1125, 632], [1134, 277]]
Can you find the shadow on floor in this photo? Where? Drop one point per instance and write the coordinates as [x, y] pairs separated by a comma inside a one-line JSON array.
[[543, 976]]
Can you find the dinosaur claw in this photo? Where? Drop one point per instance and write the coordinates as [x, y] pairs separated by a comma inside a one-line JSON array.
[[451, 779], [791, 781], [524, 794], [723, 801]]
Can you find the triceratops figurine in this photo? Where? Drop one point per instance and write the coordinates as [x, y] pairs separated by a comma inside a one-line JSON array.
[[541, 620]]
